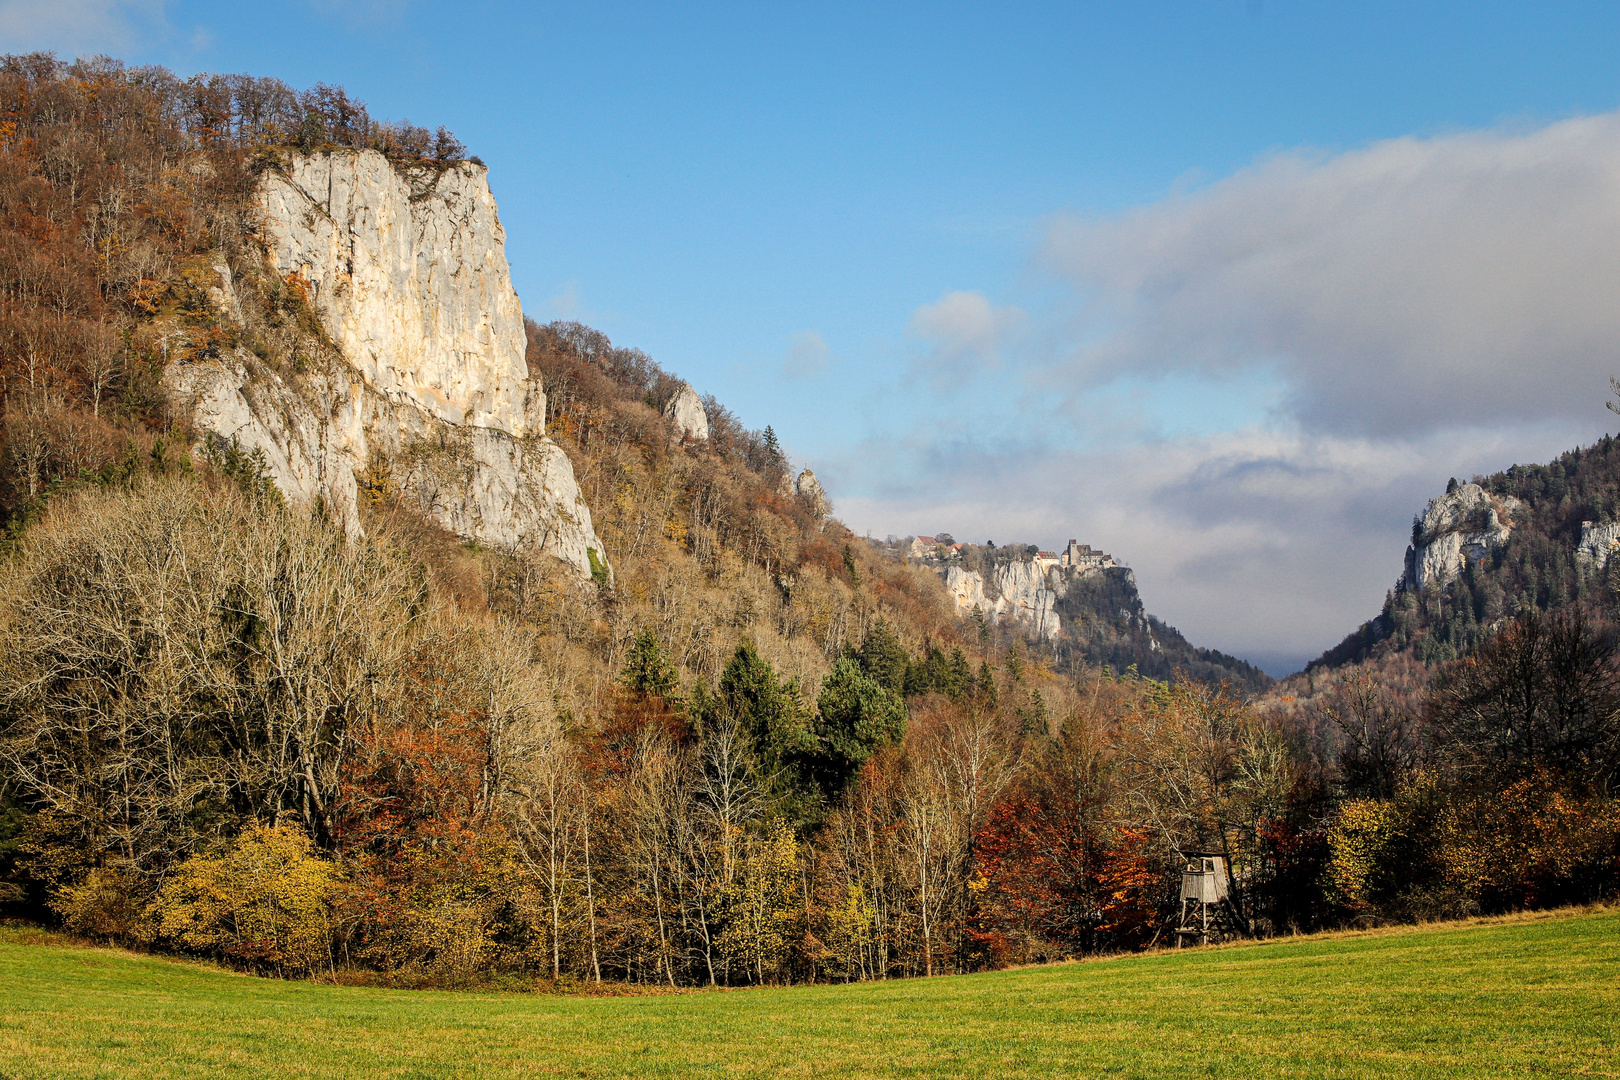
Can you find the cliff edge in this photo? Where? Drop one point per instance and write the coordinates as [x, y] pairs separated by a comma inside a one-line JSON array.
[[423, 395]]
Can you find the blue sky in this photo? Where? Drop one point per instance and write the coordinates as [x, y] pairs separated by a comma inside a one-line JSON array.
[[1149, 275]]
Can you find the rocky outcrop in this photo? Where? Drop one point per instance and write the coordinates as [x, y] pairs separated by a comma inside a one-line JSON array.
[[1460, 527], [685, 410], [1022, 595], [1025, 591], [1599, 541], [808, 488], [306, 442], [407, 275], [1076, 608]]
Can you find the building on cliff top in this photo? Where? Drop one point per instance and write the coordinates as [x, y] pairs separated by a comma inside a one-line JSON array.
[[928, 547], [1084, 557]]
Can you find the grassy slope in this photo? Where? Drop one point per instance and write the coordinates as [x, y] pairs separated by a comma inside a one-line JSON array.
[[1518, 997]]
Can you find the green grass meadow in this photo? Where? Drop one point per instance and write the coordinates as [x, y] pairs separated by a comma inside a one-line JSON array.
[[1525, 996]]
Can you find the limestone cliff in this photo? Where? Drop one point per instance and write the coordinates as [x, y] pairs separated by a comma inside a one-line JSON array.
[[1079, 606], [1024, 589], [1018, 592], [685, 409], [1597, 545], [1458, 528], [430, 397], [808, 488], [1535, 537]]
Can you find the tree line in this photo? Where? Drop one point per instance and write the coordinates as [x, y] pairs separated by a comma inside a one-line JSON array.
[[233, 731], [229, 730]]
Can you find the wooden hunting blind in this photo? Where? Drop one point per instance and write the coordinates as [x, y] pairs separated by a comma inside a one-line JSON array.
[[1205, 886]]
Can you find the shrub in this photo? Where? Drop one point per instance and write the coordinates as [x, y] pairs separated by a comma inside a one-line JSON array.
[[265, 902], [1364, 839], [1532, 843], [102, 905]]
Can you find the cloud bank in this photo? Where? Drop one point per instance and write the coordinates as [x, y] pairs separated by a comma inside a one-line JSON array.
[[1419, 308], [807, 356], [1417, 284], [962, 333]]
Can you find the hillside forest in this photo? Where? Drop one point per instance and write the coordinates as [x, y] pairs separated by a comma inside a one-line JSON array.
[[758, 750]]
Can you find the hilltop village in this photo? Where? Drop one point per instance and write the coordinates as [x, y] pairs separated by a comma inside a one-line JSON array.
[[1018, 584]]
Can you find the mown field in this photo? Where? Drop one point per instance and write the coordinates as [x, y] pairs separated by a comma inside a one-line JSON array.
[[1526, 996]]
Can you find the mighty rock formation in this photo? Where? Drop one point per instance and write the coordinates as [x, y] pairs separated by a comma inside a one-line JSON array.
[[1022, 589], [1078, 607], [808, 488], [432, 402], [1018, 592], [685, 409], [1599, 541], [1538, 537], [1458, 528]]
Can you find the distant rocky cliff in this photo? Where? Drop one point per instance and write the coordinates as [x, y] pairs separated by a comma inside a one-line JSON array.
[[1531, 537], [1457, 529], [685, 411], [1079, 604], [808, 488], [430, 397], [1020, 587]]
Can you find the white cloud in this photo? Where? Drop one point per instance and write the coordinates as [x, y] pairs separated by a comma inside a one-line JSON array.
[[1410, 286], [565, 304], [962, 332], [78, 26], [807, 356]]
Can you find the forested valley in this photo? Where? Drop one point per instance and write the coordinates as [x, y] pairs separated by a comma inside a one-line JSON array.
[[752, 748]]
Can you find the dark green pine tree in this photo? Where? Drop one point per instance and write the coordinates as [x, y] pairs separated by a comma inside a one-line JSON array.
[[857, 716], [647, 668], [773, 450], [883, 658], [984, 688], [959, 680], [768, 710]]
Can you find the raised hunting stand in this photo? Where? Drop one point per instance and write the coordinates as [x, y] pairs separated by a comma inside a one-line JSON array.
[[1205, 908]]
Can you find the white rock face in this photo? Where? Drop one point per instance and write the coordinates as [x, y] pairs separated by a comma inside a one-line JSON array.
[[1599, 541], [1026, 592], [808, 488], [686, 410], [433, 392], [1458, 528], [304, 446], [413, 286]]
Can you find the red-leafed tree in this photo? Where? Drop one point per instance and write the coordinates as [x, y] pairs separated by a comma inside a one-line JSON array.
[[416, 821], [1060, 873]]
